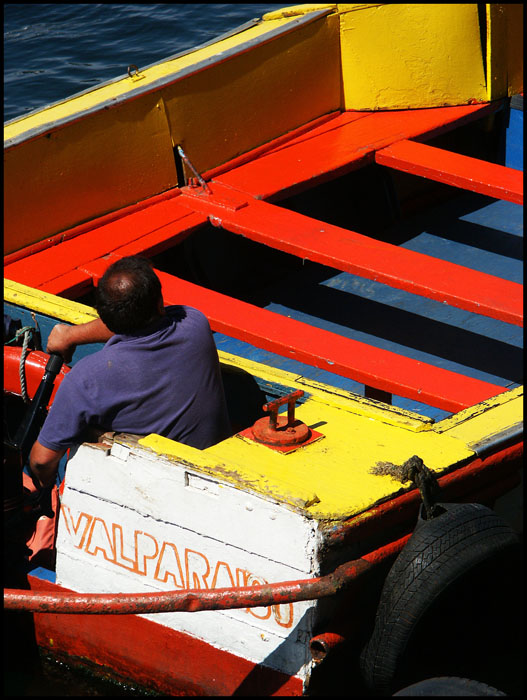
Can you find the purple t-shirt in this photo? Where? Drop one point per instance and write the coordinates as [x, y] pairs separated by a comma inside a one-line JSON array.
[[165, 379]]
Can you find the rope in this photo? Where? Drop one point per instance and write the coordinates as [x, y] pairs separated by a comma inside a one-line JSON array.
[[415, 470], [26, 331], [20, 332], [22, 366]]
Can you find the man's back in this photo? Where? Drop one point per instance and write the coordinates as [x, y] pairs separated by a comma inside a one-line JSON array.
[[164, 379]]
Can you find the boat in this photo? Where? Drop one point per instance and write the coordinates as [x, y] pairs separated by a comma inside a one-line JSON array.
[[339, 188]]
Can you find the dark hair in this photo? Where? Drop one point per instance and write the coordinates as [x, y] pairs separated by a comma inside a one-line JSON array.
[[128, 295]]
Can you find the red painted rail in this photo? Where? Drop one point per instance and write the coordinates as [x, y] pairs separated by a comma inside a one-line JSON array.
[[285, 336], [91, 225], [361, 255], [148, 231], [198, 599], [453, 169]]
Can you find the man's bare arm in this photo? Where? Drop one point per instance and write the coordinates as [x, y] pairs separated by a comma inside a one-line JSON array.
[[44, 463], [63, 339]]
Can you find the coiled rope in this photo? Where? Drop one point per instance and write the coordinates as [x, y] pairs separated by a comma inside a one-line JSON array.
[[27, 332]]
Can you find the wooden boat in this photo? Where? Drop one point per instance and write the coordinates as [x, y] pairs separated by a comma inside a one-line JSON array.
[[338, 188]]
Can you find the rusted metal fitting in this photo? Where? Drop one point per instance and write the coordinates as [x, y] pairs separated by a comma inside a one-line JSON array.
[[321, 645], [279, 430], [197, 177]]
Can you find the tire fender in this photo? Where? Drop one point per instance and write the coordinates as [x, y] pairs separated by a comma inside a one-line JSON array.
[[439, 552], [448, 685]]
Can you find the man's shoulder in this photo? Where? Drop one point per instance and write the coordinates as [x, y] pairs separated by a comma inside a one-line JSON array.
[[88, 365], [182, 312]]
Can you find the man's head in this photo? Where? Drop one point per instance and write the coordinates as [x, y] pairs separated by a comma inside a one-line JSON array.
[[128, 295]]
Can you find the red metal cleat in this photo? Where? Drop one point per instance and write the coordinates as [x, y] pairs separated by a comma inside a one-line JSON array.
[[279, 432]]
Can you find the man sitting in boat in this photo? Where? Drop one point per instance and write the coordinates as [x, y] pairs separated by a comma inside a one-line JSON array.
[[157, 373]]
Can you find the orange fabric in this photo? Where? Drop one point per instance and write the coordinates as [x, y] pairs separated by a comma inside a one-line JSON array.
[[41, 539]]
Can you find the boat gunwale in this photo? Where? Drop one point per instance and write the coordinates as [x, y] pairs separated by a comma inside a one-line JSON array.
[[177, 76], [237, 30]]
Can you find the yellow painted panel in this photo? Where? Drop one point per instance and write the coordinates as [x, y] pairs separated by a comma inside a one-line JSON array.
[[57, 181], [231, 108], [48, 304], [488, 418], [469, 413], [504, 49], [146, 77], [328, 479], [403, 56], [112, 158]]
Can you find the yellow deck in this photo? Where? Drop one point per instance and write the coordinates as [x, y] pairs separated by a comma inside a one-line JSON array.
[[331, 479]]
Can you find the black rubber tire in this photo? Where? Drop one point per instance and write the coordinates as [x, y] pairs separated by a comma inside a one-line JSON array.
[[439, 554], [446, 686]]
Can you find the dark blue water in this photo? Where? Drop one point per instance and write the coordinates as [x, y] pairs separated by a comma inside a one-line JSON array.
[[52, 51]]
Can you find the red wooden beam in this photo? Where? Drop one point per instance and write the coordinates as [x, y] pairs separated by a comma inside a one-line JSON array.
[[71, 285], [320, 348], [342, 145], [148, 231], [453, 169], [91, 225], [353, 252]]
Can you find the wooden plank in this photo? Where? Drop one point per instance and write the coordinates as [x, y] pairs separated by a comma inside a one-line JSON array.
[[72, 284], [353, 252], [87, 226], [159, 226], [453, 169], [330, 153], [318, 126], [361, 362]]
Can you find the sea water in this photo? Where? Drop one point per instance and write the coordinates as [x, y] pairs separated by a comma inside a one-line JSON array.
[[52, 51]]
